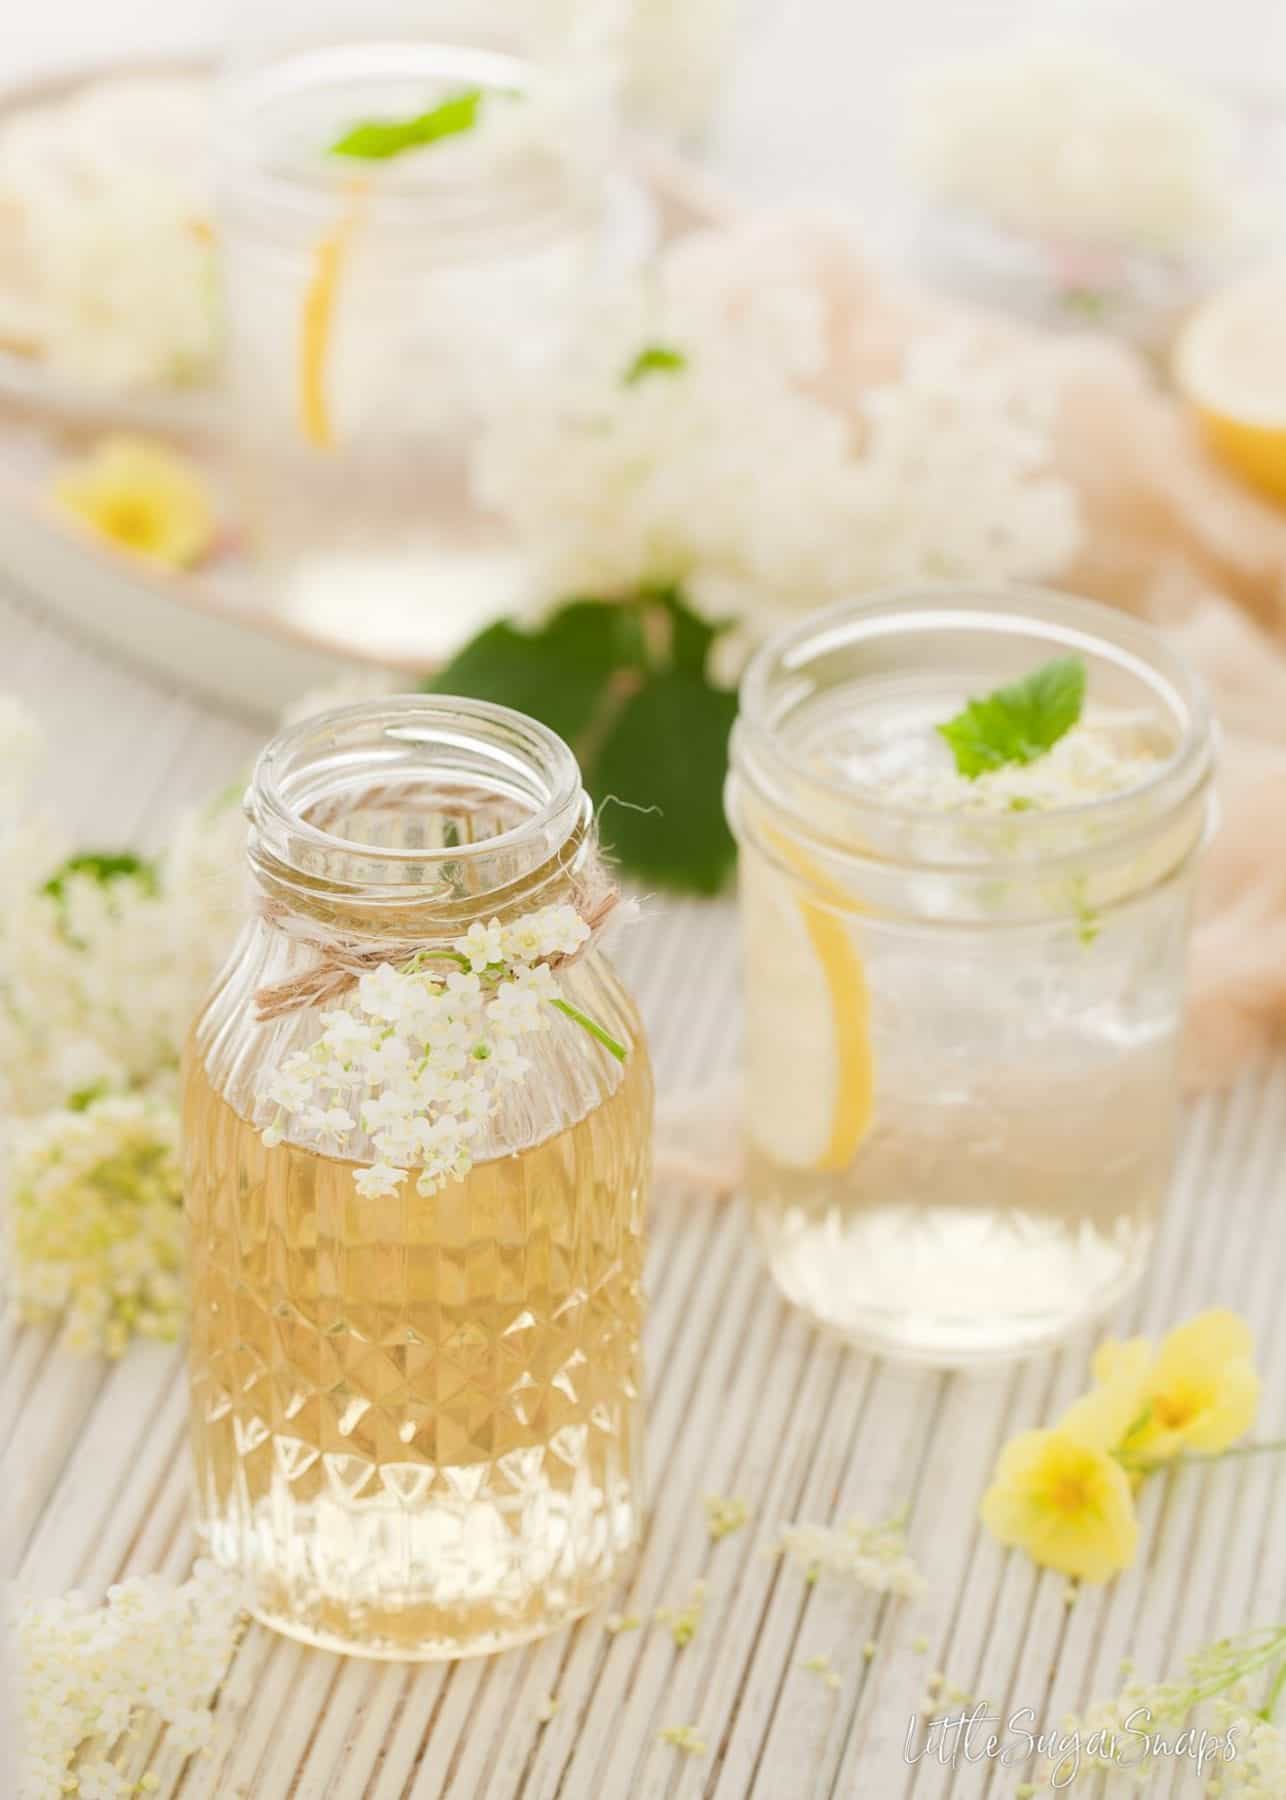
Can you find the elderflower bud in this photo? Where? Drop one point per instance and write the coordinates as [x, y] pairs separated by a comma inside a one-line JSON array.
[[683, 1621], [874, 1556]]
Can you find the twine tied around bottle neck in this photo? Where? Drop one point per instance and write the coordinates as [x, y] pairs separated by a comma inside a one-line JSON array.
[[341, 960]]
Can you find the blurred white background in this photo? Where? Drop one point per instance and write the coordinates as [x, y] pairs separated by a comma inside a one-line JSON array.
[[813, 88]]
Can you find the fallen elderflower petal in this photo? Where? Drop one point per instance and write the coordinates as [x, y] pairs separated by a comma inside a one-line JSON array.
[[874, 1556]]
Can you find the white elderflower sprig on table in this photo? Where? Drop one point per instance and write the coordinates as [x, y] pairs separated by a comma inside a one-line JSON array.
[[1210, 1706], [86, 1676], [95, 1222], [873, 1556], [416, 1061], [651, 457], [104, 964]]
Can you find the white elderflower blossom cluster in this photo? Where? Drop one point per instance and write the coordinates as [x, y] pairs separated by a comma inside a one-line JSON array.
[[1208, 1716], [1258, 1771], [415, 1062], [704, 434], [94, 1222], [873, 1556], [1075, 144], [106, 256], [103, 964], [88, 1676]]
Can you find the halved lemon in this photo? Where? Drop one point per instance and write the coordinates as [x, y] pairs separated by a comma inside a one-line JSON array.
[[1230, 367], [809, 1071]]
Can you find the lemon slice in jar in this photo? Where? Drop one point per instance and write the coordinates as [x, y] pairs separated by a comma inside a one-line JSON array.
[[1230, 367], [810, 1074], [316, 325]]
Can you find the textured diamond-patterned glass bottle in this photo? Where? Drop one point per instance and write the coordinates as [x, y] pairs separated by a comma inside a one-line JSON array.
[[416, 1421]]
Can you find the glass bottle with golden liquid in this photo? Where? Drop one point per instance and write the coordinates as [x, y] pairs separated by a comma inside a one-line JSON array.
[[416, 1420]]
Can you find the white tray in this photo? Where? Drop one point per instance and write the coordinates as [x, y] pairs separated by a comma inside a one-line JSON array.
[[208, 630]]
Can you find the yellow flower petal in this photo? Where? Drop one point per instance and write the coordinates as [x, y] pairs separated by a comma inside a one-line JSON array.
[[1065, 1502], [1203, 1387], [1215, 1336], [1117, 1361], [142, 497], [1106, 1416]]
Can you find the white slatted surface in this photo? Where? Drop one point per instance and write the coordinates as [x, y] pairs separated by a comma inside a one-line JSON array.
[[744, 1399]]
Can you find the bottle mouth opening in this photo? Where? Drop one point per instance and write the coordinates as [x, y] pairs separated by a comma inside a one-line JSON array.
[[414, 795]]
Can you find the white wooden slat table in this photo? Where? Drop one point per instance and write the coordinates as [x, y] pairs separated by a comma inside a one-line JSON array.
[[745, 1399]]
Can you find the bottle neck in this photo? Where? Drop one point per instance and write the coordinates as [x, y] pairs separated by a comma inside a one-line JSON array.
[[411, 817]]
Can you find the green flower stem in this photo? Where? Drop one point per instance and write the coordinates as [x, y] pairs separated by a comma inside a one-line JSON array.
[[1238, 1671], [595, 1031], [1274, 1694], [1142, 1466], [1271, 1447], [442, 954]]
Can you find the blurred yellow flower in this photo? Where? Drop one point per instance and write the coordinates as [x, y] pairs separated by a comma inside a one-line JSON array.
[[142, 497], [1066, 1502], [1200, 1393], [1111, 1413]]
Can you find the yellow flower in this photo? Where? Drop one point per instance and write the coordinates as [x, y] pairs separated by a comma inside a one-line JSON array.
[[1108, 1415], [1066, 1502], [143, 497], [1200, 1393]]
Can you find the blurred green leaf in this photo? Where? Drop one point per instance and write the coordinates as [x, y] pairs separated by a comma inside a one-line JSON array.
[[104, 867], [654, 359], [374, 140]]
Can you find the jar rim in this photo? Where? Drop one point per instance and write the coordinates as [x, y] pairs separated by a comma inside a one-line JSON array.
[[282, 201], [1068, 623], [516, 743]]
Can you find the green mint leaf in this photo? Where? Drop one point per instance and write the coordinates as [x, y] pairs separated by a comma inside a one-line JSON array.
[[1017, 724], [654, 359], [104, 867], [375, 140], [83, 1098], [624, 683]]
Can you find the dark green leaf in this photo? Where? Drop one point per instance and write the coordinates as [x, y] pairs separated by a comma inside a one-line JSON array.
[[104, 867], [558, 674], [654, 359], [1016, 724], [668, 752], [624, 682], [374, 140], [689, 635]]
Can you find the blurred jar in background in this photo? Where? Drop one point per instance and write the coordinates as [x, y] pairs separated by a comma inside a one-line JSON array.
[[410, 222], [1086, 178]]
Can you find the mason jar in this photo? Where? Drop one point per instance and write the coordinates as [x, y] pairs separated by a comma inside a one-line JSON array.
[[415, 1404], [382, 311], [963, 1001]]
